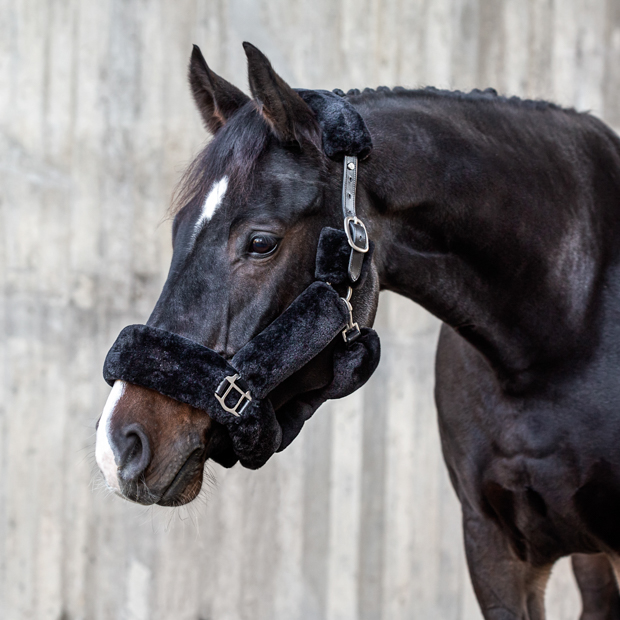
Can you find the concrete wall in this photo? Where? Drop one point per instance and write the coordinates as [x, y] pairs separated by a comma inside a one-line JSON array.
[[357, 519]]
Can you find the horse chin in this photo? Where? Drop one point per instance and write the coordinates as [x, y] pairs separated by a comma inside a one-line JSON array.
[[187, 483], [175, 489]]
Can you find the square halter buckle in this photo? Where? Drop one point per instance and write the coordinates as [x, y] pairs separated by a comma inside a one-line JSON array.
[[224, 389]]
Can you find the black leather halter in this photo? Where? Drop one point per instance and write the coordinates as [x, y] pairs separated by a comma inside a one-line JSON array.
[[235, 393]]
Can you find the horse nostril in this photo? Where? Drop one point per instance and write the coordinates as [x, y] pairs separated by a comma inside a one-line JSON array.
[[134, 451]]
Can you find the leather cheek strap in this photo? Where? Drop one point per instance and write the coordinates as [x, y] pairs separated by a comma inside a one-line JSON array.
[[298, 335]]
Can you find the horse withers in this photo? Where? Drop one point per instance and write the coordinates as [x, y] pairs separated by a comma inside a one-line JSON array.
[[499, 216]]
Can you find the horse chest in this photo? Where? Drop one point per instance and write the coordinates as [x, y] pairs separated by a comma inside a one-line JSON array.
[[546, 469]]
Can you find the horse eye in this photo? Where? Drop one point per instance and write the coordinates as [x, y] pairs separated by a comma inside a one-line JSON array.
[[263, 244]]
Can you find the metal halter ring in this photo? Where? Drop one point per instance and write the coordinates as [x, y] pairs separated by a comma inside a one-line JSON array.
[[245, 397], [347, 229]]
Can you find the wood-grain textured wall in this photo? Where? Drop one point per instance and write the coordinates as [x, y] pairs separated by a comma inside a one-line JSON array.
[[357, 519]]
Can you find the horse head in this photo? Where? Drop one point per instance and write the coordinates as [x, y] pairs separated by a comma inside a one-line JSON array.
[[251, 209]]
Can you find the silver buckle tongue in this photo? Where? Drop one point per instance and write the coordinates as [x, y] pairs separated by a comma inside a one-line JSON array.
[[222, 393], [352, 331]]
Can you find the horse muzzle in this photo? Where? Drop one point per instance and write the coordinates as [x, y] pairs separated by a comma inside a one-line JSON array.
[[144, 457]]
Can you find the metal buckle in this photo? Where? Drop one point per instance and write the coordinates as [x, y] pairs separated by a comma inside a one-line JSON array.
[[352, 331], [244, 397], [347, 229]]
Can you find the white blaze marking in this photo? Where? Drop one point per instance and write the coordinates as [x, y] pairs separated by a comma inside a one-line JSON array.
[[103, 450], [212, 202]]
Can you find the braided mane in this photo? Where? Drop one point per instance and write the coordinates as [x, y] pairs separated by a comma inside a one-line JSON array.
[[368, 95]]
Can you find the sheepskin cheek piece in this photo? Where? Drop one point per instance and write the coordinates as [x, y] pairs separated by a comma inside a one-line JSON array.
[[191, 373]]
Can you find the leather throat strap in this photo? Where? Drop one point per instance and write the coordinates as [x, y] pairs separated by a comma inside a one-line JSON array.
[[353, 226]]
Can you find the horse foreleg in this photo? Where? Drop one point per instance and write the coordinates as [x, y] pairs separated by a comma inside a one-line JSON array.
[[507, 588], [598, 587]]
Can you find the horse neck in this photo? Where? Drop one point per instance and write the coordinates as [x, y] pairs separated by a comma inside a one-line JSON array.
[[497, 219]]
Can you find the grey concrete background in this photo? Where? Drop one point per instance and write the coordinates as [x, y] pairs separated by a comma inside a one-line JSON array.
[[357, 519]]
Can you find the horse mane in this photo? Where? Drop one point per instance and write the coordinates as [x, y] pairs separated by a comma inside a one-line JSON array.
[[369, 95]]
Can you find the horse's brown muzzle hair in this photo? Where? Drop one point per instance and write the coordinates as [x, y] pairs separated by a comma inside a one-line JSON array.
[[160, 446]]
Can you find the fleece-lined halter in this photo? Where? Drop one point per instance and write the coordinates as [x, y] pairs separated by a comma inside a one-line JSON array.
[[235, 393]]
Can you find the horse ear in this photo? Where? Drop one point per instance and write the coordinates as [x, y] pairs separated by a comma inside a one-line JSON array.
[[217, 99], [288, 114]]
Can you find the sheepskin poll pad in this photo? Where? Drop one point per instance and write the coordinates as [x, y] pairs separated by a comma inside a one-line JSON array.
[[236, 393]]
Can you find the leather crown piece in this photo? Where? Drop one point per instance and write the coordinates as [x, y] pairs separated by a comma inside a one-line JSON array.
[[344, 136], [235, 393]]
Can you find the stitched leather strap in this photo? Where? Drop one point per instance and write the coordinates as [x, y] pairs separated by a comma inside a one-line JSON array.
[[349, 186], [353, 226]]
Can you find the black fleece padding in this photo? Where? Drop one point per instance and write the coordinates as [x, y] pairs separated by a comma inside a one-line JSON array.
[[190, 373], [295, 414], [353, 366], [167, 363], [344, 130], [332, 258], [256, 435], [293, 339]]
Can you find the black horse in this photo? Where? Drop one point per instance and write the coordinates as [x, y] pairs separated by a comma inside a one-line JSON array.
[[502, 218]]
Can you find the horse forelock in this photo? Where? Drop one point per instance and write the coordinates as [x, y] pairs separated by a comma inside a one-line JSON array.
[[232, 153]]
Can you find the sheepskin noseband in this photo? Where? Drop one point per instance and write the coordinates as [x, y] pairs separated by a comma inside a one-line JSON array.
[[235, 393]]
